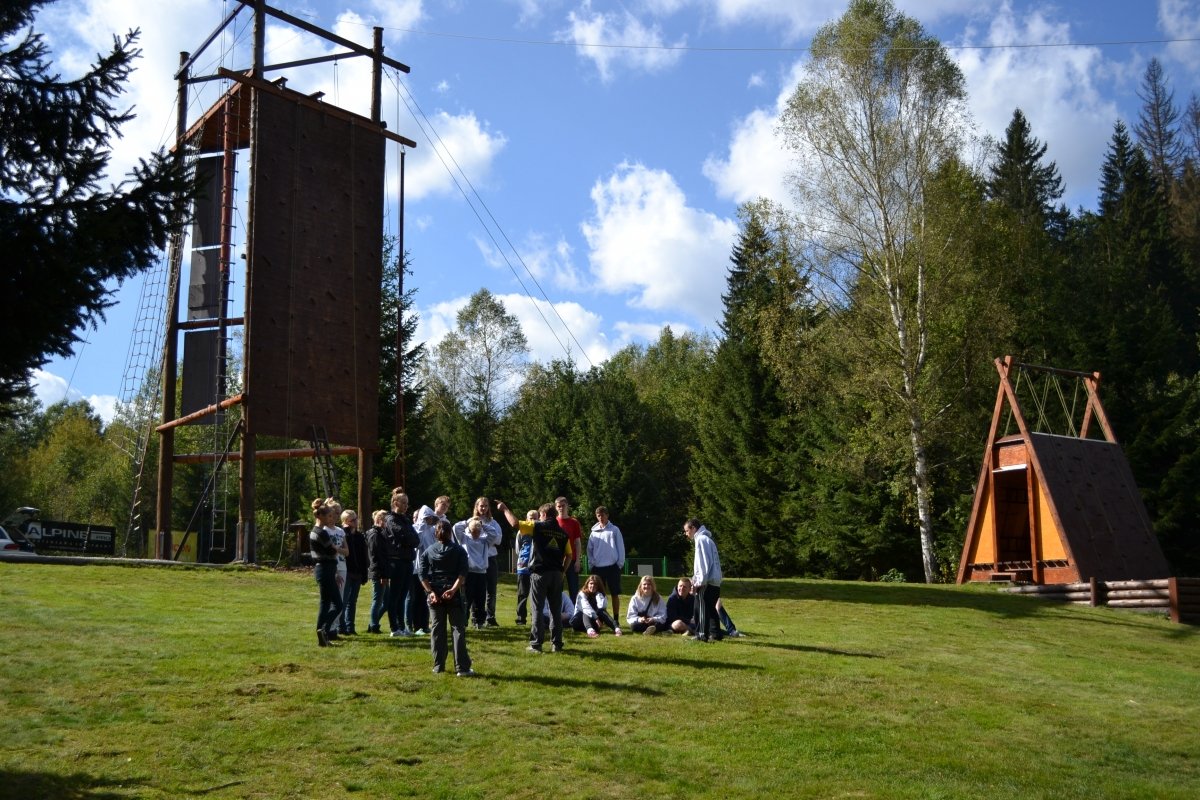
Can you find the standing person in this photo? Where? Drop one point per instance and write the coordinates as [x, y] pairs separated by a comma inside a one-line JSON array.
[[404, 540], [357, 564], [549, 555], [324, 555], [468, 534], [647, 612], [378, 557], [706, 581], [575, 534], [339, 543], [606, 554], [681, 608], [417, 610], [443, 571], [493, 533], [523, 543]]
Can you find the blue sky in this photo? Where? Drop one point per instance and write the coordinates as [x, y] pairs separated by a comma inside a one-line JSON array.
[[609, 144]]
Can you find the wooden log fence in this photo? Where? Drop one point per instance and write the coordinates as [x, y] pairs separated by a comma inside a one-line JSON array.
[[1178, 597]]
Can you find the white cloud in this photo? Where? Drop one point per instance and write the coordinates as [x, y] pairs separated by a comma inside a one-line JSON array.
[[611, 40], [460, 139], [646, 241], [757, 163], [1059, 89], [792, 19], [393, 14], [541, 322], [1180, 19], [547, 260], [49, 389], [442, 86]]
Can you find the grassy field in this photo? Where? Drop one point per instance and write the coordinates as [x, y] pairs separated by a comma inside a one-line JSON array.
[[153, 683]]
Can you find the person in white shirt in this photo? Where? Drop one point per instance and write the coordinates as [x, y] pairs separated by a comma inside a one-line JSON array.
[[591, 609], [647, 611], [606, 554], [475, 537], [706, 581]]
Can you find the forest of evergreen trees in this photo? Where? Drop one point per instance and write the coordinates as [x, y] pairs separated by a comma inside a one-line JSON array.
[[813, 433]]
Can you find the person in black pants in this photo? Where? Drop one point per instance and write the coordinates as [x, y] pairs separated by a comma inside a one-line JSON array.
[[443, 571], [549, 557], [403, 540], [324, 555]]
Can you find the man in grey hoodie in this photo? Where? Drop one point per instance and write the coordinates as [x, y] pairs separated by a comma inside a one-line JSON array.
[[706, 581]]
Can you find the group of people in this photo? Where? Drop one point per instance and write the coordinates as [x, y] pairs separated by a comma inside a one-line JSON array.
[[427, 574]]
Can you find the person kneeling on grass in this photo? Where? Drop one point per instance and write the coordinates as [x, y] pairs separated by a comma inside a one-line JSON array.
[[590, 609], [647, 612], [443, 571]]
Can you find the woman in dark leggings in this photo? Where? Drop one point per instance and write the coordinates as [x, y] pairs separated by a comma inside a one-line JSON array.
[[324, 555]]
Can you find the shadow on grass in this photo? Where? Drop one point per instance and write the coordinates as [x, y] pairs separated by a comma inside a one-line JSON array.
[[699, 661], [801, 648], [578, 683], [990, 601], [73, 786]]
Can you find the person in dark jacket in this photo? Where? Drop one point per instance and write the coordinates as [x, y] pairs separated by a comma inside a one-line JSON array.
[[681, 608], [549, 555], [443, 571], [357, 564], [324, 555], [403, 539], [378, 556]]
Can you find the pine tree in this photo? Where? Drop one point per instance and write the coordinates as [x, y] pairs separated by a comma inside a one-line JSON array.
[[67, 240]]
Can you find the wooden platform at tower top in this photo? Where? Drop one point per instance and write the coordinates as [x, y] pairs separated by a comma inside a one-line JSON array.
[[1054, 507]]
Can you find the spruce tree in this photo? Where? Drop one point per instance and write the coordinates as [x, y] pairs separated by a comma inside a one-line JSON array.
[[1157, 127], [66, 239], [1020, 179], [738, 471]]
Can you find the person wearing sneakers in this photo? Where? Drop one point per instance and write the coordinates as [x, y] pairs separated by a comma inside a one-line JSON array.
[[647, 612], [523, 543], [443, 571], [324, 555], [549, 556], [591, 610], [706, 581], [606, 554]]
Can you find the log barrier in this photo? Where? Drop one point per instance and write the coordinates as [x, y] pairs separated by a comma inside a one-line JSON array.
[[1178, 597]]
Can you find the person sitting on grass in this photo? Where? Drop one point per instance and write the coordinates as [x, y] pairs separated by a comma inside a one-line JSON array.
[[681, 608], [590, 609], [730, 629], [647, 612], [566, 609]]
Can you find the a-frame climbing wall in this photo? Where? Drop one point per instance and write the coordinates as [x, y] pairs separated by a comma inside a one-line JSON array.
[[1056, 506]]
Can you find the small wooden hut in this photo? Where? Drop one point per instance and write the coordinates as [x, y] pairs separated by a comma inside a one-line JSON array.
[[1056, 507]]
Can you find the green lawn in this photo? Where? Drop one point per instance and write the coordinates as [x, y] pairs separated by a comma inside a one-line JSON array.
[[166, 683]]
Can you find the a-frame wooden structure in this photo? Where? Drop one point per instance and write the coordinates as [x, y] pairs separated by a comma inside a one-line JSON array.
[[1057, 507]]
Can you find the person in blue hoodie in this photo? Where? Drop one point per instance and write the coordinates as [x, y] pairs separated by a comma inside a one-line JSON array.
[[706, 581]]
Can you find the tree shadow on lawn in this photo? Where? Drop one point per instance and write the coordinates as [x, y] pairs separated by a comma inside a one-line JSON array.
[[801, 648], [698, 661], [902, 594], [577, 683], [75, 786]]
